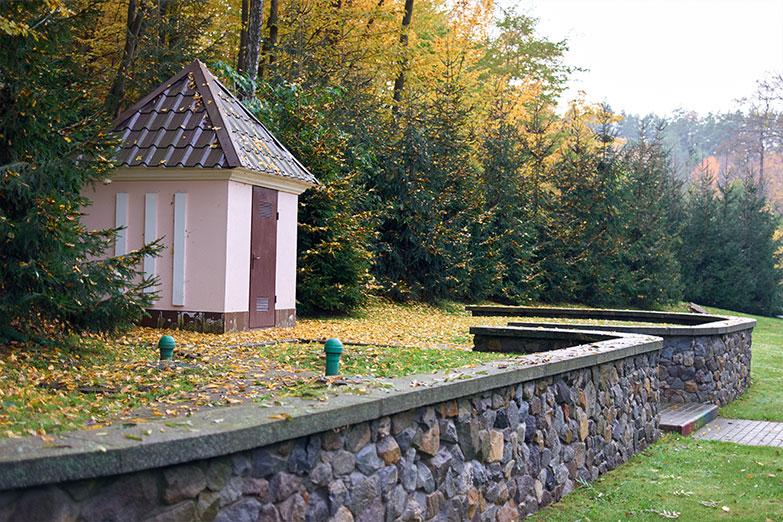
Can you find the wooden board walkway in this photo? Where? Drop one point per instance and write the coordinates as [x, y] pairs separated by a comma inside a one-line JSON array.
[[749, 432]]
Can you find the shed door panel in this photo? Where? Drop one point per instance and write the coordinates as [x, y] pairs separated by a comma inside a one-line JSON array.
[[263, 252]]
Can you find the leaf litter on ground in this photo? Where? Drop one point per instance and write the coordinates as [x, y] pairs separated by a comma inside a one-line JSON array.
[[92, 381]]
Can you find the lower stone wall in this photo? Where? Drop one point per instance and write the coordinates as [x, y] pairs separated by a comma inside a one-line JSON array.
[[498, 455], [711, 368]]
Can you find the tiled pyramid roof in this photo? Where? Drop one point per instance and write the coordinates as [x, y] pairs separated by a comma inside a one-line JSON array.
[[193, 121]]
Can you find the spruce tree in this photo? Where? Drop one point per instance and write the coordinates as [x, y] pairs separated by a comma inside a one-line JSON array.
[[649, 272], [700, 241], [333, 236], [731, 250], [430, 241], [579, 246], [762, 251], [52, 145], [509, 231]]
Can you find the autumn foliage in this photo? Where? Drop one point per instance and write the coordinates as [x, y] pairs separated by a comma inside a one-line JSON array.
[[447, 170]]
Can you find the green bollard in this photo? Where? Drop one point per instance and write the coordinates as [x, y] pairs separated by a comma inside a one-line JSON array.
[[333, 349], [166, 347]]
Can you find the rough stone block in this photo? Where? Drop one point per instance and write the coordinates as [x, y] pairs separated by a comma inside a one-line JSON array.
[[389, 450], [428, 441], [245, 510], [48, 503], [183, 482]]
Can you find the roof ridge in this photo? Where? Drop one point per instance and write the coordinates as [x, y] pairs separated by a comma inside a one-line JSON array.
[[219, 124], [136, 107], [259, 122], [237, 135]]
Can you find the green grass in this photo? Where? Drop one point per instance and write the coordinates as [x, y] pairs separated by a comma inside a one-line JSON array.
[[679, 475], [378, 361], [764, 399], [699, 480]]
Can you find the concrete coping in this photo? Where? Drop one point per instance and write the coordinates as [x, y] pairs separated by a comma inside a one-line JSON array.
[[209, 433], [673, 323]]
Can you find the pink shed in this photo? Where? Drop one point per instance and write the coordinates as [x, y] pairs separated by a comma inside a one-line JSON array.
[[202, 174]]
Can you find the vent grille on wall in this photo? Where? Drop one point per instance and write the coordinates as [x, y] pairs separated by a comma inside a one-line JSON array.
[[266, 210], [262, 304]]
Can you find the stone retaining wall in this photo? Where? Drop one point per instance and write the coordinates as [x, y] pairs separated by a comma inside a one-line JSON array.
[[495, 454], [712, 368], [705, 358]]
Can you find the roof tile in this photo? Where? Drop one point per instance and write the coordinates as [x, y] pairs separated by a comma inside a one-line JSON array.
[[192, 120]]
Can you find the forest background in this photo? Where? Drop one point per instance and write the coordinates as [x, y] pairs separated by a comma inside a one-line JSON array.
[[446, 170]]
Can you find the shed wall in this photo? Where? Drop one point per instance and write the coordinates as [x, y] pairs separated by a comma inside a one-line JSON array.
[[206, 226], [240, 198], [285, 280]]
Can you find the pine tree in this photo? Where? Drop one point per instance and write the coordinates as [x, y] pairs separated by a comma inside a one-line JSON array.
[[509, 231], [579, 240], [649, 272], [51, 147]]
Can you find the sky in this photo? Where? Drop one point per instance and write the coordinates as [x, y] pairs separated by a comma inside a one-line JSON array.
[[646, 56]]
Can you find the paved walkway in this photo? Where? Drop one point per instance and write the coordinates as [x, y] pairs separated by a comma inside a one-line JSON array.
[[749, 432]]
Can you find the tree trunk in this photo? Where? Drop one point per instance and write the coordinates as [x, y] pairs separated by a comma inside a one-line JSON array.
[[250, 43], [399, 82], [134, 28], [270, 43], [166, 22], [243, 33]]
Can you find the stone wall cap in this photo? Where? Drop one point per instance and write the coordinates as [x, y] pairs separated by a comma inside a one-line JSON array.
[[209, 433], [681, 324]]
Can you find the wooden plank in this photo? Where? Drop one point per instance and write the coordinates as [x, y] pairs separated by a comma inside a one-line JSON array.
[[150, 233], [178, 276]]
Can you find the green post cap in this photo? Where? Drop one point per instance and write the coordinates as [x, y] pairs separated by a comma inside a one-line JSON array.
[[333, 346], [333, 349], [166, 347]]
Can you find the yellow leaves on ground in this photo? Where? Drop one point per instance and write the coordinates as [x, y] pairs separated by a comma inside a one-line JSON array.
[[98, 380]]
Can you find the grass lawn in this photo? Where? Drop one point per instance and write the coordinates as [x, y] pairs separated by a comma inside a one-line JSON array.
[[685, 479], [92, 381], [764, 399]]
